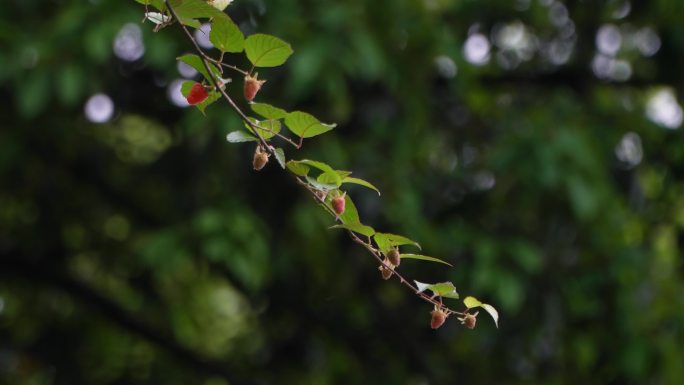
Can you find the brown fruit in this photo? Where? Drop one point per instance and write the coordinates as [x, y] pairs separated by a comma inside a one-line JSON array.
[[394, 257], [252, 87], [338, 204], [438, 318], [386, 273], [469, 321], [260, 160]]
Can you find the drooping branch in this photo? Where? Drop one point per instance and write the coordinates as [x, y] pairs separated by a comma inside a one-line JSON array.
[[263, 143]]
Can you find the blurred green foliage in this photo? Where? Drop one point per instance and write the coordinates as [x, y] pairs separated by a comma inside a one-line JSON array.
[[144, 250]]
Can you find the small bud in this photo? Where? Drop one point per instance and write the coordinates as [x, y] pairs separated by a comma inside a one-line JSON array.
[[394, 257], [197, 94], [438, 318], [260, 159], [469, 320], [338, 204], [252, 86]]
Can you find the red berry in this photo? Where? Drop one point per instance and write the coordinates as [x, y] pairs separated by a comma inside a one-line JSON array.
[[438, 318], [338, 205], [252, 86], [197, 94]]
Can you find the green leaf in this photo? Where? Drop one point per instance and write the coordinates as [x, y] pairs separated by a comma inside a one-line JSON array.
[[226, 36], [472, 302], [268, 111], [297, 168], [195, 9], [305, 125], [335, 178], [195, 62], [361, 182], [266, 50], [351, 214], [280, 156], [240, 137], [329, 178], [357, 228], [268, 128], [213, 96], [386, 241], [423, 258], [320, 186], [442, 289]]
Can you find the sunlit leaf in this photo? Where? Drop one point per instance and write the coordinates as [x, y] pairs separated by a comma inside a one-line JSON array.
[[442, 289], [157, 18], [305, 125], [266, 50], [423, 258], [471, 302]]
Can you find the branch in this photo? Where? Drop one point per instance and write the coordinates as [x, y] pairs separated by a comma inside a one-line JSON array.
[[254, 128]]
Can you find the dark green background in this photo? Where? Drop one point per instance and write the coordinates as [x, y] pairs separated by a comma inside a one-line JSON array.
[[146, 251]]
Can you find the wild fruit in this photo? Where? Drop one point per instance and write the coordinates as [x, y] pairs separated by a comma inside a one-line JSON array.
[[252, 86], [260, 159], [197, 94], [469, 320], [438, 318], [394, 257], [338, 204], [386, 273]]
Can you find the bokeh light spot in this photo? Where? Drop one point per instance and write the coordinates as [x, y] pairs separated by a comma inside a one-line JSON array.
[[128, 44], [476, 49], [664, 110], [99, 108]]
